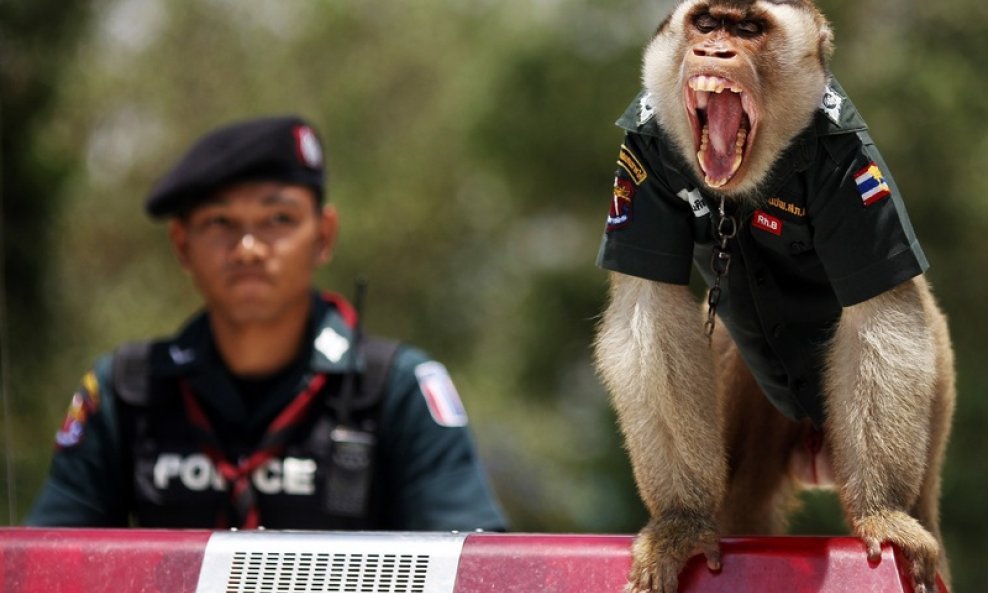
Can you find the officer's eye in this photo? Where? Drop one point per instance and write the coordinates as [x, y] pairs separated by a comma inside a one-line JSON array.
[[216, 221], [282, 219]]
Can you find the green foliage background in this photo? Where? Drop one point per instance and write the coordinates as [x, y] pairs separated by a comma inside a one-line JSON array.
[[471, 146]]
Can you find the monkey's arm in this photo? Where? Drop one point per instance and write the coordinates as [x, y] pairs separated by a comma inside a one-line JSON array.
[[654, 359], [881, 380]]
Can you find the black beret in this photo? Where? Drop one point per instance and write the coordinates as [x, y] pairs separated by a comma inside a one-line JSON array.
[[284, 149]]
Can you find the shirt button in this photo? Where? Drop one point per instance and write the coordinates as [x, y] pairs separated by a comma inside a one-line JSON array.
[[797, 247], [799, 384], [778, 329], [760, 276]]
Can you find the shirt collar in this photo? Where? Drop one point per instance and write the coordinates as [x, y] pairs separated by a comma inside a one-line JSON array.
[[331, 333]]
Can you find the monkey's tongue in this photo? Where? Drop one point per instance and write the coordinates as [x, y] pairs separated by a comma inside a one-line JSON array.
[[719, 157]]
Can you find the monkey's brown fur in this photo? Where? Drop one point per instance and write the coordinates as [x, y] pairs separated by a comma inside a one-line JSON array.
[[710, 454]]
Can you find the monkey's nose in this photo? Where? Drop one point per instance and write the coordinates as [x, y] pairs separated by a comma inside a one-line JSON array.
[[713, 52]]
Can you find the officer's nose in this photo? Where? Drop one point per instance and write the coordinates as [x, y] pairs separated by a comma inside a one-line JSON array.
[[249, 248]]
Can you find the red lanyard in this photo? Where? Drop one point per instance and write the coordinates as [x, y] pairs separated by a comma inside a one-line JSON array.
[[274, 440]]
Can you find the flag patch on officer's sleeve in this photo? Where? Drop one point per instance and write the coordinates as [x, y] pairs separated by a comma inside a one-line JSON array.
[[440, 394], [85, 402], [871, 184]]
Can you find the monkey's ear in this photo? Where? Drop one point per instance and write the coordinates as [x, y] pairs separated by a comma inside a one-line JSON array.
[[826, 42]]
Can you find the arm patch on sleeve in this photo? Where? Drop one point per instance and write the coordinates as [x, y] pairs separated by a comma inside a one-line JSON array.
[[84, 403], [871, 184], [440, 395]]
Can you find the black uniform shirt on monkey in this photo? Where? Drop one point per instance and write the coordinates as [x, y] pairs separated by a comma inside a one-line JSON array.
[[118, 463], [828, 231]]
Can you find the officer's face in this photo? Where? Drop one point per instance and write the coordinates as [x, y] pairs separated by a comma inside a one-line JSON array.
[[253, 247]]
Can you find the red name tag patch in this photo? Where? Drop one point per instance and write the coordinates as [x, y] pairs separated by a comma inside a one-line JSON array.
[[766, 222]]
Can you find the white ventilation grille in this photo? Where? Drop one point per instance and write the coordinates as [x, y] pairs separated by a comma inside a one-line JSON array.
[[274, 572], [324, 562]]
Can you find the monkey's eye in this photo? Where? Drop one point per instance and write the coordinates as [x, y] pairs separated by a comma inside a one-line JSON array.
[[706, 23], [749, 28]]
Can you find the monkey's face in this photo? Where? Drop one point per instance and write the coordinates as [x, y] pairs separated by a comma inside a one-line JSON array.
[[734, 81]]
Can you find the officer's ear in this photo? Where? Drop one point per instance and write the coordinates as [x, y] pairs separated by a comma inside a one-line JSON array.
[[178, 233], [329, 224]]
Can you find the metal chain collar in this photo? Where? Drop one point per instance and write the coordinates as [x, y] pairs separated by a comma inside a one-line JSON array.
[[720, 263]]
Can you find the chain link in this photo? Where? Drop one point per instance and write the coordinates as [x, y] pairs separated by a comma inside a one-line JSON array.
[[720, 263]]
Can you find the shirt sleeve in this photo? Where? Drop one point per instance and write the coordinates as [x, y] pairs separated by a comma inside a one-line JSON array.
[[860, 227], [649, 231], [434, 477], [84, 486]]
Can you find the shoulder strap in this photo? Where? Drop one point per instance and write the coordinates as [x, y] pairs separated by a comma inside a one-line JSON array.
[[379, 356], [364, 390], [131, 383], [129, 372], [359, 393]]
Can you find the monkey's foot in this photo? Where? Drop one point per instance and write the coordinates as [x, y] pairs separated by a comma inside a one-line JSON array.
[[665, 544], [916, 543]]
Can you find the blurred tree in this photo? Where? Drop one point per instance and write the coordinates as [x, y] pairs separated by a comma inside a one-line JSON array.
[[37, 37]]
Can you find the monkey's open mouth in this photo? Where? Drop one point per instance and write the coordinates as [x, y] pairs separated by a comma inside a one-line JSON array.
[[723, 119]]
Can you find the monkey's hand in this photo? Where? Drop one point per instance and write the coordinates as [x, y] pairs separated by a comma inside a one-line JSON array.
[[665, 544], [918, 545]]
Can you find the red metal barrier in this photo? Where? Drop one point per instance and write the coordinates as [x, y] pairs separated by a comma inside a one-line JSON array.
[[110, 560], [158, 561], [493, 563]]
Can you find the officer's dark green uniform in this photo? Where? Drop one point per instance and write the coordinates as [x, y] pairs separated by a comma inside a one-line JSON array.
[[355, 433], [829, 230], [120, 462]]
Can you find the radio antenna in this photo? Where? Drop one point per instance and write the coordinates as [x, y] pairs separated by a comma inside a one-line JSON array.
[[351, 378]]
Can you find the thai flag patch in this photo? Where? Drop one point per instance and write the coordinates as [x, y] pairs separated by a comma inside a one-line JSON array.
[[871, 184], [440, 394]]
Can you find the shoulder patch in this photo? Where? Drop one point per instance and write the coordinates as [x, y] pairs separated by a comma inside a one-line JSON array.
[[181, 356], [332, 345], [832, 104], [630, 163], [440, 394], [630, 174], [640, 115], [871, 184], [645, 109], [84, 403], [621, 200]]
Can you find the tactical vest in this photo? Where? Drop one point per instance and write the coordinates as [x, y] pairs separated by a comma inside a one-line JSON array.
[[327, 477]]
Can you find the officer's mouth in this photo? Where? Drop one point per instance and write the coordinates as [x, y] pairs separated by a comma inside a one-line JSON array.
[[248, 277]]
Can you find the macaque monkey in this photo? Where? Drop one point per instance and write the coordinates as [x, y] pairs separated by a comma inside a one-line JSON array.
[[825, 357]]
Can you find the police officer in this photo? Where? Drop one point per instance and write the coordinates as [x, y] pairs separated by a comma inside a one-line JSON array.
[[828, 230], [269, 408]]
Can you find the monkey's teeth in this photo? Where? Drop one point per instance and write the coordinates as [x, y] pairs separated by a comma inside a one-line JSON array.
[[712, 84], [738, 156], [704, 143], [739, 144]]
